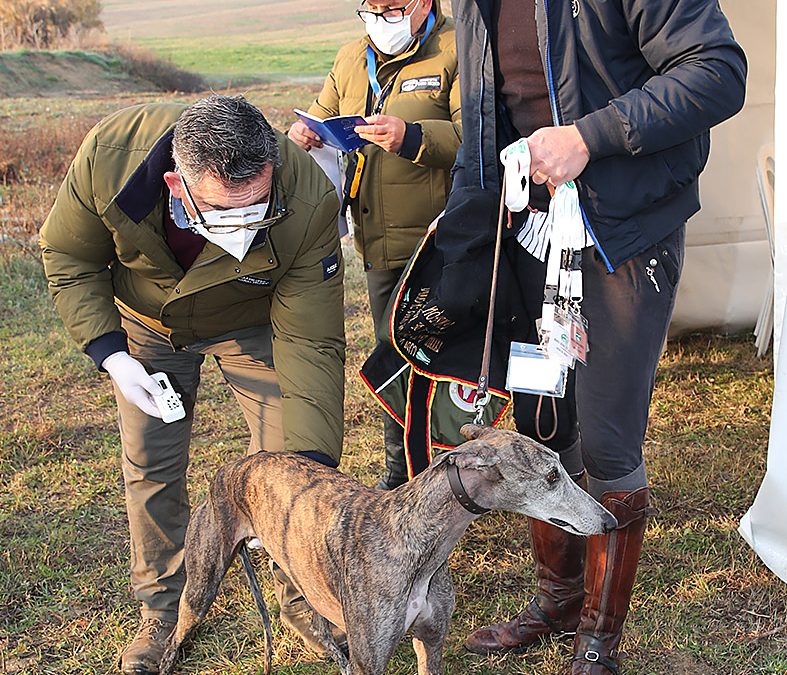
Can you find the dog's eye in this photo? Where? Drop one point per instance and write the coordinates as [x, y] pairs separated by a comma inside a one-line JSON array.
[[553, 476]]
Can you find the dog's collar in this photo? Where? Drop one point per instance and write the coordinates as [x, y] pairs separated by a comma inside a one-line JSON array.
[[459, 490]]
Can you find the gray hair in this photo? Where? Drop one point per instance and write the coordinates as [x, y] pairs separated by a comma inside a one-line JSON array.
[[226, 137]]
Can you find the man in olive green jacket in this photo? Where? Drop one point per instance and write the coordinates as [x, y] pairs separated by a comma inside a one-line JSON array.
[[180, 232], [403, 78]]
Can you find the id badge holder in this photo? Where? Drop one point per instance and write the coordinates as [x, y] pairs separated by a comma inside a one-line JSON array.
[[355, 183], [558, 344], [578, 338], [532, 371]]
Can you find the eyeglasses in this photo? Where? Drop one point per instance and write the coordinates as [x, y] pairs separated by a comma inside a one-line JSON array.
[[392, 15], [226, 222]]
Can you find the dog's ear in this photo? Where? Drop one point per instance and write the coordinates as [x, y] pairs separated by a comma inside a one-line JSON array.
[[476, 455], [473, 431]]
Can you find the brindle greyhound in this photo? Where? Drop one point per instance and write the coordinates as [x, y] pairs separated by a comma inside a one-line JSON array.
[[373, 563]]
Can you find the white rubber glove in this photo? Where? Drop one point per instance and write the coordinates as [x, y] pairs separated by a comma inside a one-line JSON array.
[[133, 381]]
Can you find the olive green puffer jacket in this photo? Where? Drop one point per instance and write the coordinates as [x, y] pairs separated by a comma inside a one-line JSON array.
[[104, 243]]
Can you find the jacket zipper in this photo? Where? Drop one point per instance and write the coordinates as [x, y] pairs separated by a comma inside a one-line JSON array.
[[557, 121], [481, 114]]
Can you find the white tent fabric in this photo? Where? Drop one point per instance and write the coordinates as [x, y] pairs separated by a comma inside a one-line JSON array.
[[727, 268], [764, 527]]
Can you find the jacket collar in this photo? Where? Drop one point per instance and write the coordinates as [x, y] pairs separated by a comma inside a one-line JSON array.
[[143, 190]]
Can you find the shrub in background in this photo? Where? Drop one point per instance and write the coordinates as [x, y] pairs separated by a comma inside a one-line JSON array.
[[144, 65], [42, 24]]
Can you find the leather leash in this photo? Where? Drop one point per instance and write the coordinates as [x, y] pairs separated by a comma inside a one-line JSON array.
[[482, 391]]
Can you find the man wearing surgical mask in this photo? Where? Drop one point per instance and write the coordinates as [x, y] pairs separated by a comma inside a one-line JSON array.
[[184, 232], [402, 77]]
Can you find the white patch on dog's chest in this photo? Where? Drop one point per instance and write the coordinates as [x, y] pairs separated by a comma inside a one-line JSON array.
[[416, 603]]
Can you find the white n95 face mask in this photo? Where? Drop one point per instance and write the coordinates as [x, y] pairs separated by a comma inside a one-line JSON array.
[[235, 243], [516, 160], [231, 230], [391, 38], [226, 221]]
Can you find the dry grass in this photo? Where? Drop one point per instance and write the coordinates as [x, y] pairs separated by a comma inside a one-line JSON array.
[[704, 604], [39, 155]]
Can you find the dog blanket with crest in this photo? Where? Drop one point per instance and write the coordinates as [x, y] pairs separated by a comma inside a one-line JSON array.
[[425, 368]]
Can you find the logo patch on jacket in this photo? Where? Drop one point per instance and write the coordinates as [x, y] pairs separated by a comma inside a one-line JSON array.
[[255, 281], [330, 266], [426, 83]]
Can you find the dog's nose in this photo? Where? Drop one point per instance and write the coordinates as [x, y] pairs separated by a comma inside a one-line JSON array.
[[610, 523]]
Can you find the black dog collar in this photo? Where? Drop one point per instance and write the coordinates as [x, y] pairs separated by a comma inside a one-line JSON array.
[[459, 490]]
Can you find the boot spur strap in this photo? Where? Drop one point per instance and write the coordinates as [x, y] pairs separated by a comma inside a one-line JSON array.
[[592, 656], [542, 616]]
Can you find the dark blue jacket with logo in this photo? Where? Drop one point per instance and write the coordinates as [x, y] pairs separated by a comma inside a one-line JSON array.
[[643, 80]]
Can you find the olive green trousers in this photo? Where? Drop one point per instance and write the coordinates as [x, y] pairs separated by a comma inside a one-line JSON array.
[[156, 455]]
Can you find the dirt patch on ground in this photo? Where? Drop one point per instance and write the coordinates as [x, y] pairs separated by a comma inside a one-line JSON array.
[[33, 73]]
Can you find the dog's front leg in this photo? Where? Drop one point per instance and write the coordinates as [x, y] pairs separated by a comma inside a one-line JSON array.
[[372, 637], [429, 633]]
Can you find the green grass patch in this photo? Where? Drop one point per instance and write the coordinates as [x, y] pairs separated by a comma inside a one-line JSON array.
[[244, 60]]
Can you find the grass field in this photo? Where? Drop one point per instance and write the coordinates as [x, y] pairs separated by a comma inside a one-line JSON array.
[[703, 603], [238, 41], [279, 20], [247, 60]]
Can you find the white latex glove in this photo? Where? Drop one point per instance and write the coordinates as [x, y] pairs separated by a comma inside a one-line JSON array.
[[516, 160], [133, 381]]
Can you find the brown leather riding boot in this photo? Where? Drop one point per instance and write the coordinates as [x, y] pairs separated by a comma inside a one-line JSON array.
[[555, 609], [610, 568]]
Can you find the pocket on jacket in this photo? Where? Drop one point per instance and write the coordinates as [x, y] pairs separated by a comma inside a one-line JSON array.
[[686, 161], [664, 260]]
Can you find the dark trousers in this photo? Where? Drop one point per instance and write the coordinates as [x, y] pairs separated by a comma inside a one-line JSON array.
[[607, 401], [380, 284]]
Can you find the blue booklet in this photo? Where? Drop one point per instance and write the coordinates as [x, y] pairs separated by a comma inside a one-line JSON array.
[[335, 131]]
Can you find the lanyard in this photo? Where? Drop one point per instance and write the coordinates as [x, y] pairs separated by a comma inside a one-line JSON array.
[[563, 287], [381, 93]]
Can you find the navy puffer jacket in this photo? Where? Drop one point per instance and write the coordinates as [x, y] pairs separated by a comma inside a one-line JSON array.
[[643, 80]]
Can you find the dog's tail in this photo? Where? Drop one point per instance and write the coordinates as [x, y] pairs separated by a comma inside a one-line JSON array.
[[254, 587]]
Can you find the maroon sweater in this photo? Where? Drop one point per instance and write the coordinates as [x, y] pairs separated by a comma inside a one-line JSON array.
[[519, 74]]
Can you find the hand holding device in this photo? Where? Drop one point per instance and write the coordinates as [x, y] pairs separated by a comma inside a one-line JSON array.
[[169, 404], [134, 383]]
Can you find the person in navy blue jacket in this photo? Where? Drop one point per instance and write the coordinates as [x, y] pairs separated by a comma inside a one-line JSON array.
[[618, 96]]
